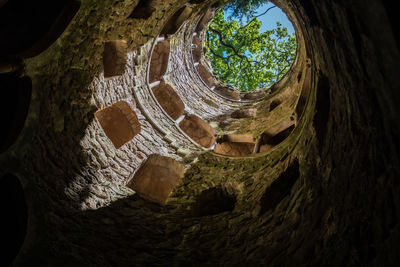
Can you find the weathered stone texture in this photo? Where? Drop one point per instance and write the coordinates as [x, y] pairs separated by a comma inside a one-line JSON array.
[[119, 123], [159, 61], [156, 178], [169, 100], [199, 130], [325, 196]]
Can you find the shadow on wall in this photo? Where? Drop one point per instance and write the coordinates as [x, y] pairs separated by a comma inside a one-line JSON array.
[[280, 188], [214, 200], [14, 217], [114, 58], [30, 27], [144, 9]]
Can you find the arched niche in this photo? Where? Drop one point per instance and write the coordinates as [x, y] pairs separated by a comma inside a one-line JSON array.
[[199, 130], [119, 123], [156, 178], [144, 9], [214, 200], [30, 27], [305, 92], [15, 100], [176, 20], [169, 100], [255, 95], [205, 75], [208, 14], [274, 104], [14, 218], [235, 145], [114, 58], [227, 92], [159, 61], [279, 188], [276, 134]]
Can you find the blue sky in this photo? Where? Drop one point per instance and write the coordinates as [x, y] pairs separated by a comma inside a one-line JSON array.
[[276, 14], [269, 20]]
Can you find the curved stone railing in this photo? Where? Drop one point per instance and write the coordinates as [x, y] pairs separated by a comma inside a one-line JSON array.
[[156, 114]]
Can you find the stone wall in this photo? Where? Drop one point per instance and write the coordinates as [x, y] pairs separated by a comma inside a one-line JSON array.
[[325, 195]]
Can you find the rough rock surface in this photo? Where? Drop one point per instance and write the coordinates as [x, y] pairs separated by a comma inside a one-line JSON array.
[[327, 195]]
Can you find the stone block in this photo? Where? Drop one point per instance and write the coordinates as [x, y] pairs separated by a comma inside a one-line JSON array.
[[156, 178], [199, 130], [159, 61], [169, 100], [234, 149], [205, 75], [116, 125]]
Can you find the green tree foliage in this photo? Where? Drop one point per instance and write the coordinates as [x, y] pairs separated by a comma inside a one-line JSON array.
[[245, 58], [243, 8]]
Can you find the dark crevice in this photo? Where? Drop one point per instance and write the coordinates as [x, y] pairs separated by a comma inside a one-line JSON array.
[[213, 201], [171, 26], [144, 9], [15, 100], [274, 104], [280, 188], [322, 109]]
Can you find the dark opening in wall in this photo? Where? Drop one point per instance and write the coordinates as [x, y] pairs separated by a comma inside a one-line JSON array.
[[119, 123], [235, 145], [280, 188], [227, 92], [14, 217], [274, 104], [176, 20], [144, 9], [199, 130], [196, 1], [15, 100], [159, 61], [114, 58], [29, 27], [213, 201], [156, 178], [169, 100], [276, 134], [204, 20]]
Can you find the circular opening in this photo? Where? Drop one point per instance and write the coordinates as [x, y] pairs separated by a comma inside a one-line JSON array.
[[251, 44], [14, 217], [16, 96]]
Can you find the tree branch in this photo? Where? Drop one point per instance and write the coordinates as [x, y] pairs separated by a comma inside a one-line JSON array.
[[254, 18]]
